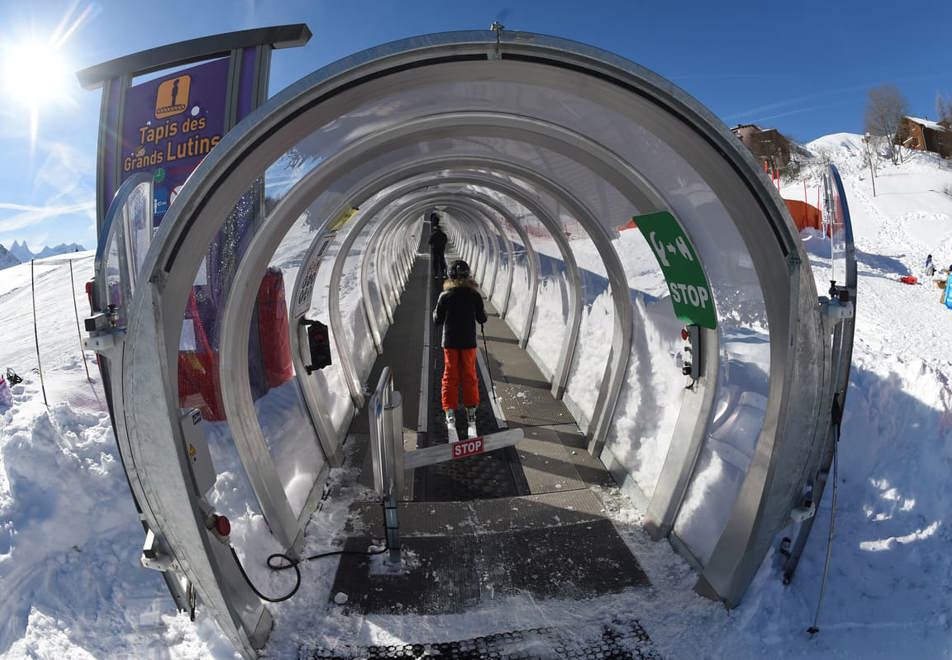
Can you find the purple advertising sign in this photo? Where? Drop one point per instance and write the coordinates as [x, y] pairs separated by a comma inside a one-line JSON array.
[[170, 124]]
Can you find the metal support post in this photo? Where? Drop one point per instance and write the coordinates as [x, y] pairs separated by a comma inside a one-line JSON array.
[[393, 528], [386, 446]]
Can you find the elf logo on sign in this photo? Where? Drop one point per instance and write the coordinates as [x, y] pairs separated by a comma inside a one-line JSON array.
[[171, 98], [465, 448], [690, 293]]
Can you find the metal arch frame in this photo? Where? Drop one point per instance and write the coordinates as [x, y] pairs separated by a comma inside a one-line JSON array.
[[303, 290], [394, 257], [471, 240], [520, 195], [266, 483], [397, 258], [491, 265], [491, 261], [442, 199], [446, 199], [516, 193], [841, 357], [382, 283], [370, 252], [615, 368], [560, 373], [108, 235], [375, 332], [497, 261], [483, 216], [385, 277], [790, 307], [414, 203], [478, 255], [236, 398], [796, 275], [202, 562], [243, 618], [484, 255], [333, 302], [561, 370], [116, 385], [226, 173]]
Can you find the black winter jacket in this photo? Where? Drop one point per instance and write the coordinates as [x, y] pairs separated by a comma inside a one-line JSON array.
[[459, 308], [437, 242]]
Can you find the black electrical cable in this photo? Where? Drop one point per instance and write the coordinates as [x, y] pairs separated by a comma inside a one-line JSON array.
[[289, 562], [293, 563]]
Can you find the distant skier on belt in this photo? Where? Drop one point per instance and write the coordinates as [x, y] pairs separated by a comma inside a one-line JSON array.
[[459, 308], [437, 247]]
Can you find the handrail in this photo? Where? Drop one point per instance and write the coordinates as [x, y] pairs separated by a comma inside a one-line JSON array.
[[111, 230]]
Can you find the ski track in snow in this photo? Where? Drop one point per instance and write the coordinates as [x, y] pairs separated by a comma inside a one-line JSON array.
[[70, 540]]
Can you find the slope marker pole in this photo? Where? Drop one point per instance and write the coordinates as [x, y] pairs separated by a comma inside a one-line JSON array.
[[79, 332], [36, 335]]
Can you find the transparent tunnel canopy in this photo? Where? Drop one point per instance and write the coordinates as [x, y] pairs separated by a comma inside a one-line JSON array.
[[281, 411], [128, 236], [651, 398], [492, 134], [330, 382], [538, 163], [431, 124], [550, 322]]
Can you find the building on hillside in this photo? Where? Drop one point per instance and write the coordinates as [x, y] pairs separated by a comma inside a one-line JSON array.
[[767, 144], [925, 135]]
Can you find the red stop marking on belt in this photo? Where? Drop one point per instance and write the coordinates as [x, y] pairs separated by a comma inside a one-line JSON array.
[[465, 448]]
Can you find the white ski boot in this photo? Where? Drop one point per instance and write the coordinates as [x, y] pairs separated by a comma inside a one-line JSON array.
[[471, 422], [451, 433]]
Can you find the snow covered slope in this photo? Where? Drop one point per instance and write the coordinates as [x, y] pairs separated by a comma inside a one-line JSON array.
[[69, 537], [70, 540]]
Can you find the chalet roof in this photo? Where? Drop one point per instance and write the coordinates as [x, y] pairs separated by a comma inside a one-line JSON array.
[[935, 126]]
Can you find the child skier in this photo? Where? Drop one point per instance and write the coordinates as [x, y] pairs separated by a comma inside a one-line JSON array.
[[459, 308], [437, 242]]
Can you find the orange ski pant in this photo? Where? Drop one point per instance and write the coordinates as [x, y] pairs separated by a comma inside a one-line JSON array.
[[459, 366]]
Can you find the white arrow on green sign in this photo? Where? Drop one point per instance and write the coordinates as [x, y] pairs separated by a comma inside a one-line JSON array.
[[690, 293]]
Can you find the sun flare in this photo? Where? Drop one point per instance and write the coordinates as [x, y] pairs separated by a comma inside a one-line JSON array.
[[35, 70], [34, 74]]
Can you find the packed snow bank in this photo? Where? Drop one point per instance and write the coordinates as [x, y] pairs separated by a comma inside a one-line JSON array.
[[69, 535]]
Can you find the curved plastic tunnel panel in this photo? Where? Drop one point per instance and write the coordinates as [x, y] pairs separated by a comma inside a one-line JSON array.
[[561, 145]]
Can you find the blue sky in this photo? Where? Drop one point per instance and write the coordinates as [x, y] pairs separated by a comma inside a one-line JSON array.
[[803, 67]]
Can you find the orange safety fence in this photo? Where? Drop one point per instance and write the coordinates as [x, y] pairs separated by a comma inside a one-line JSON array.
[[804, 215]]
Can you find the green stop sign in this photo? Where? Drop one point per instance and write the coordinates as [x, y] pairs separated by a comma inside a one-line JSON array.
[[690, 293]]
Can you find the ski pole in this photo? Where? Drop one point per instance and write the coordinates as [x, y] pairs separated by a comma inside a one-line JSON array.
[[79, 332], [492, 383]]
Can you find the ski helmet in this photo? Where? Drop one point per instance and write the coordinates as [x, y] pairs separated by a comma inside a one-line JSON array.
[[459, 270]]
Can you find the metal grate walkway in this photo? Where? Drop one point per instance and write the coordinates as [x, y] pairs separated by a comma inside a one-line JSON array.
[[618, 640]]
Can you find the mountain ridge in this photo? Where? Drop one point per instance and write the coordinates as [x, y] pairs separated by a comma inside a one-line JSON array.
[[23, 253]]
